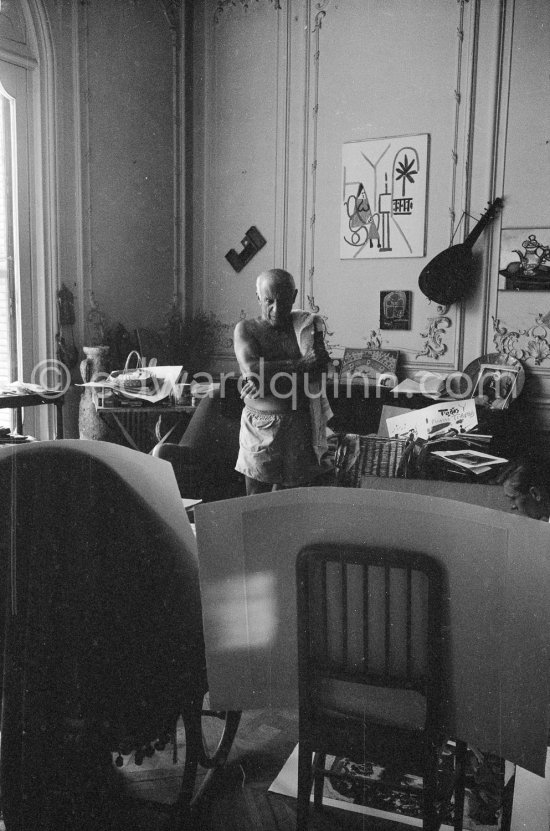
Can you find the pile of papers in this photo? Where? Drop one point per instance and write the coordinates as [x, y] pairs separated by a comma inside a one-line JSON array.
[[23, 388], [471, 460], [431, 384], [164, 379], [7, 437], [451, 422], [435, 420]]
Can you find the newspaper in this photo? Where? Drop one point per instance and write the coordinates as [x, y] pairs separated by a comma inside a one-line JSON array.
[[459, 415], [164, 379]]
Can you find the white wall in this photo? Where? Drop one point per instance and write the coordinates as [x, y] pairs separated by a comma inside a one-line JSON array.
[[114, 87], [281, 96], [104, 138]]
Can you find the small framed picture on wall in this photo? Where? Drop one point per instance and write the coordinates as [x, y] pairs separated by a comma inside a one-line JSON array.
[[395, 309]]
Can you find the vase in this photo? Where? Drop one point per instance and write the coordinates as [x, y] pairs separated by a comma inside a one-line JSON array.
[[90, 423]]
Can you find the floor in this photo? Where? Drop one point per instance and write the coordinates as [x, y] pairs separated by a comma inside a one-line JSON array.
[[238, 799]]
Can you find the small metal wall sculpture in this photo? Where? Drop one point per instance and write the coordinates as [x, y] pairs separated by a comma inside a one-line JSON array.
[[251, 243]]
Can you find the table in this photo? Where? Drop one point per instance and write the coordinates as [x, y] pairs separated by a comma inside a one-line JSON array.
[[140, 413], [19, 402], [358, 410]]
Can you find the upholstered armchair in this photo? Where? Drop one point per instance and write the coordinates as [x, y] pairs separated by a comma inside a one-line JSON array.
[[204, 458], [103, 643]]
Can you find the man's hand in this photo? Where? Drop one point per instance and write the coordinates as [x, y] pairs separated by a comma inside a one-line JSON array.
[[308, 362], [317, 357], [250, 388]]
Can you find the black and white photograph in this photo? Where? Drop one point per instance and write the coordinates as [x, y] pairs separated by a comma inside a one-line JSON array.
[[274, 415]]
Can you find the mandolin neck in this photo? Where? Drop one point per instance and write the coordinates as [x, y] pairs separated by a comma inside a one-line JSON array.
[[488, 217]]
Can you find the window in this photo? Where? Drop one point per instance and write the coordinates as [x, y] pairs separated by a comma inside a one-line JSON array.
[[10, 311], [27, 239], [8, 338]]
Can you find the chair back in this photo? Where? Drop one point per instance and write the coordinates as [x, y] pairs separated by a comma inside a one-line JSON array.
[[99, 589], [369, 616]]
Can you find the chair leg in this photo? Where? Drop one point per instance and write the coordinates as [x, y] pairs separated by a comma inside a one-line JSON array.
[[319, 762], [460, 784], [430, 815], [507, 804], [305, 779], [181, 811]]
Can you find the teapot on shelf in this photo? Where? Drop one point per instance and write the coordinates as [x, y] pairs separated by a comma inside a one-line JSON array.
[[533, 255]]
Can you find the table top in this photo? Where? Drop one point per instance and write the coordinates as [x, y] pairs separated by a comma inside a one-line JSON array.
[[138, 407], [113, 404], [29, 399]]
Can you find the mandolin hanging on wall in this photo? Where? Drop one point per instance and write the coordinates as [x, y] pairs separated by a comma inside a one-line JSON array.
[[449, 276]]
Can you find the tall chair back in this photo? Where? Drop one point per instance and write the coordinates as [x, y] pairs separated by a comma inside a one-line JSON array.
[[371, 667], [99, 591]]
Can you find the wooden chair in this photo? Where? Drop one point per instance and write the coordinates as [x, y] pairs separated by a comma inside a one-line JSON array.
[[371, 663], [103, 644]]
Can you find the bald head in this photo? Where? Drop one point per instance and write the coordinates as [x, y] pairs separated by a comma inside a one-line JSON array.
[[276, 293], [275, 277]]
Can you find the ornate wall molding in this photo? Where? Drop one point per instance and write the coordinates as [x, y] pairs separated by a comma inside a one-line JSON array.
[[438, 325], [222, 5], [174, 15], [436, 329], [463, 122], [311, 117], [532, 344], [172, 10]]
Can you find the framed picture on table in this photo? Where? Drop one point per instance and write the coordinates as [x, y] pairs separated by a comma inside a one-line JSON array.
[[495, 386], [373, 367]]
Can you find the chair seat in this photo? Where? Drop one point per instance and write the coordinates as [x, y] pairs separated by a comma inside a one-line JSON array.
[[393, 707]]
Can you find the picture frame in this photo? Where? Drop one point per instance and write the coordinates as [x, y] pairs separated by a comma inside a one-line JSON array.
[[524, 259], [395, 309], [384, 197], [495, 385], [370, 366]]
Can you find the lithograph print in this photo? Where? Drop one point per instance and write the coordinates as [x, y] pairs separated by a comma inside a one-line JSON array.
[[384, 192]]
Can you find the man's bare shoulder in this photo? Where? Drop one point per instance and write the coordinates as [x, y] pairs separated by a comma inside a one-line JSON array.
[[249, 328]]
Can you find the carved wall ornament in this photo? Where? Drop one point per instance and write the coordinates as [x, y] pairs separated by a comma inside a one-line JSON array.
[[222, 5], [524, 344], [375, 340], [172, 10], [435, 332]]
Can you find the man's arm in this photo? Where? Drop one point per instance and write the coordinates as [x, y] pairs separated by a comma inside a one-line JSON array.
[[258, 372], [317, 359], [251, 362]]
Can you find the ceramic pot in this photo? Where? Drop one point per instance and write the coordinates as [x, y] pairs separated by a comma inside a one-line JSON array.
[[90, 423]]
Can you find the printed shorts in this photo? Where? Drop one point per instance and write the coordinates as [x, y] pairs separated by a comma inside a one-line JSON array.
[[276, 448]]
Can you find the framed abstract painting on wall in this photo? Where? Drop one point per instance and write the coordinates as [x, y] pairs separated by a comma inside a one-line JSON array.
[[384, 196], [395, 309]]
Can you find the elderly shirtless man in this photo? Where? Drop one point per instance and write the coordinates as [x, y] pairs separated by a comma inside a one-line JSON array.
[[282, 357]]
